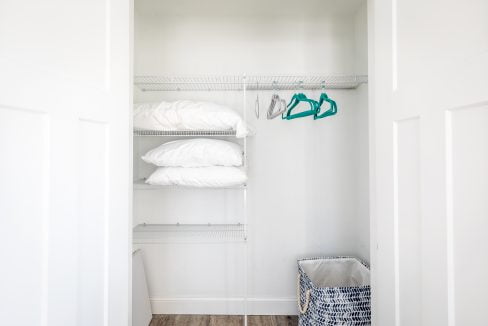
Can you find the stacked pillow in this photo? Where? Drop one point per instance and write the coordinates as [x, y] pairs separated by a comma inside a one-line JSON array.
[[188, 115], [197, 162]]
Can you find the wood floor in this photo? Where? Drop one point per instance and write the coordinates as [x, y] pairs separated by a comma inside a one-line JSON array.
[[221, 320]]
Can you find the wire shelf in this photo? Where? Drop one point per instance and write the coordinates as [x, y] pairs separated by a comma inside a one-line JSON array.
[[189, 83], [295, 83], [170, 233], [184, 133], [253, 82], [142, 185]]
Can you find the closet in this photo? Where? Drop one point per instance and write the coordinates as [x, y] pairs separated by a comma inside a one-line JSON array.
[[233, 250]]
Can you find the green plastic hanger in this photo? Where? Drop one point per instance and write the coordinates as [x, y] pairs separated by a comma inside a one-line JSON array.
[[295, 100], [332, 107]]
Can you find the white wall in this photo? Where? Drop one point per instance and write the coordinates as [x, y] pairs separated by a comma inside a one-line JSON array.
[[307, 179], [228, 37]]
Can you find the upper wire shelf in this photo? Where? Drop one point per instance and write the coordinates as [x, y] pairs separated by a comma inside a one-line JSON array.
[[252, 82], [184, 133]]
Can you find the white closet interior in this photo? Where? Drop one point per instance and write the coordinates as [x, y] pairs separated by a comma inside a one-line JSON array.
[[307, 189]]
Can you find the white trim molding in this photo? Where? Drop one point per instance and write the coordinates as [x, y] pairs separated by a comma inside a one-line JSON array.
[[224, 306]]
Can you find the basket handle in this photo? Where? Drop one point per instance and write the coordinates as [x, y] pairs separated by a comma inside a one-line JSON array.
[[307, 297]]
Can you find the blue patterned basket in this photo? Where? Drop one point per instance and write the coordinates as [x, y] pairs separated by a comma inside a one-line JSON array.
[[333, 291]]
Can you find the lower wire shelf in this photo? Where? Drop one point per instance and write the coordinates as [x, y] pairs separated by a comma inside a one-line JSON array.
[[174, 233], [140, 184]]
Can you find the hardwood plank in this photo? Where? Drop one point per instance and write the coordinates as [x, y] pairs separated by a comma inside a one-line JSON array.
[[273, 320], [194, 320], [163, 320], [222, 320]]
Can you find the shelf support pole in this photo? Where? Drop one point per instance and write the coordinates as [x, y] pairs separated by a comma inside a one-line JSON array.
[[244, 115]]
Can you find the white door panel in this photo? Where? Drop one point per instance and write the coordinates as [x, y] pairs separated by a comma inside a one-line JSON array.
[[430, 76], [92, 223], [407, 219], [467, 213], [65, 174], [24, 215]]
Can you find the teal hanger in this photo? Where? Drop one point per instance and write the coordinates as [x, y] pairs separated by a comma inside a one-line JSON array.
[[332, 107], [295, 100]]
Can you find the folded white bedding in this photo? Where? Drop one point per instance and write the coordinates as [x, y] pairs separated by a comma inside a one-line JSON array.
[[198, 152], [212, 177], [188, 115]]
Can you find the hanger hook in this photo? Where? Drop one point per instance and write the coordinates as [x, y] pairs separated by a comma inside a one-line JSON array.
[[275, 85]]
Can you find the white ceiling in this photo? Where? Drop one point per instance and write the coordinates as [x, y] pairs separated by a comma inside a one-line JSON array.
[[271, 8]]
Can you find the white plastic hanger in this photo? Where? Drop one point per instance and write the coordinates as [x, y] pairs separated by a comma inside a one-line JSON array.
[[256, 103], [276, 102]]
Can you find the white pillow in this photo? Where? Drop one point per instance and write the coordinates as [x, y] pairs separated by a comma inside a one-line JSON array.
[[198, 152], [212, 176], [188, 115]]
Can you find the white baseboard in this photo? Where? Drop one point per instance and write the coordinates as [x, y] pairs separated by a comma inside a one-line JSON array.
[[224, 306]]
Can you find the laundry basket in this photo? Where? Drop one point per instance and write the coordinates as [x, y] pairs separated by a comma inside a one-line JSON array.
[[333, 291]]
